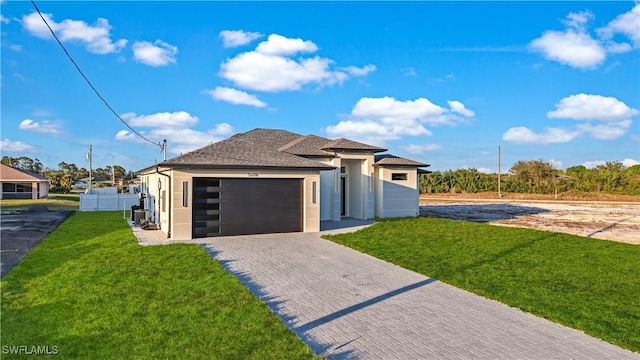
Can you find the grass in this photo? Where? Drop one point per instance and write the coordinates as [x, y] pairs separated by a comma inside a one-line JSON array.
[[92, 292], [587, 284], [54, 202]]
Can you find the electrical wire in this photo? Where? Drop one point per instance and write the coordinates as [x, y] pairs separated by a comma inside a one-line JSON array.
[[89, 82]]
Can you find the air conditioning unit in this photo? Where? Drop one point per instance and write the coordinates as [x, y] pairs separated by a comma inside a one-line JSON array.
[[139, 215]]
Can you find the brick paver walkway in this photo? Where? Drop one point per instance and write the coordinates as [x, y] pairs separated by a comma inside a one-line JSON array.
[[345, 304]]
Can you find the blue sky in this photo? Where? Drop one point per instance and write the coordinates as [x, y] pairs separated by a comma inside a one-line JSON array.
[[444, 83]]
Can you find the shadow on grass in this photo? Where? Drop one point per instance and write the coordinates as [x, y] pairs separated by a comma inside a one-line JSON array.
[[479, 212], [276, 306]]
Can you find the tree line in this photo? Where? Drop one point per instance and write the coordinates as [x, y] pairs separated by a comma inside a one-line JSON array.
[[67, 174], [537, 177], [530, 177]]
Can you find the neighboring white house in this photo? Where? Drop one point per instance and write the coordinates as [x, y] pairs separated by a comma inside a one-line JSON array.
[[19, 184], [265, 181]]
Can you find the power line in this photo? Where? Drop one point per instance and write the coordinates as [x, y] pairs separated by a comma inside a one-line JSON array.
[[162, 146]]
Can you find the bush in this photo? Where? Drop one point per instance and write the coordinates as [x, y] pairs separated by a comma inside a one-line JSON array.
[[59, 190]]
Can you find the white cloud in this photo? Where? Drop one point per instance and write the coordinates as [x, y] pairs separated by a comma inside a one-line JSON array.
[[420, 149], [235, 38], [256, 71], [356, 71], [592, 107], [7, 145], [594, 163], [627, 24], [269, 68], [16, 47], [175, 128], [377, 120], [42, 127], [164, 119], [576, 49], [485, 170], [409, 71], [613, 115], [236, 97], [96, 38], [124, 135], [458, 107], [578, 20], [280, 45], [4, 20], [557, 164], [608, 131], [524, 135], [157, 54], [630, 162]]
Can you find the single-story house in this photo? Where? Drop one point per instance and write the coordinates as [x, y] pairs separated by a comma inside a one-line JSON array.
[[268, 181], [19, 184]]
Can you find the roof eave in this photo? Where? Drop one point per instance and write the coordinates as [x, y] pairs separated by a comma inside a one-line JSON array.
[[270, 167]]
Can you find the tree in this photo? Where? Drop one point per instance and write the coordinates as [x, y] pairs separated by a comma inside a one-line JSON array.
[[70, 169], [537, 175], [24, 163], [119, 171]]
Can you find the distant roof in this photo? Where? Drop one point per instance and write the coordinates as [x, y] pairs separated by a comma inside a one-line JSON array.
[[8, 173], [268, 148], [346, 144], [391, 160]]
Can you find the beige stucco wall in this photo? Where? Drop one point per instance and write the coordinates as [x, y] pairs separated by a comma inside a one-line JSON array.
[[397, 198], [359, 173], [181, 216]]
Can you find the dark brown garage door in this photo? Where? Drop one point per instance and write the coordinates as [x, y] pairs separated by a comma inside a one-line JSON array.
[[224, 206]]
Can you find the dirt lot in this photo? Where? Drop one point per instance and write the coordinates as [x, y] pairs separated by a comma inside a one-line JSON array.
[[609, 221]]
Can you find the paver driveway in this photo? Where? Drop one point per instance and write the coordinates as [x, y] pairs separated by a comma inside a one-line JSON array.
[[345, 304]]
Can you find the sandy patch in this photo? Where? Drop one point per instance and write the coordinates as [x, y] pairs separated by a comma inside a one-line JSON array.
[[608, 221]]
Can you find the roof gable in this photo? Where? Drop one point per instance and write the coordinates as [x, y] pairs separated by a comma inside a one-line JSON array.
[[309, 145], [346, 144], [391, 160]]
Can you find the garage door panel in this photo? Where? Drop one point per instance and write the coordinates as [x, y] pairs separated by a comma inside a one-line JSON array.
[[246, 206]]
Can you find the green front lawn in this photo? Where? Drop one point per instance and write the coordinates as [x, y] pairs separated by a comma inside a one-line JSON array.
[[53, 202], [587, 284], [92, 292]]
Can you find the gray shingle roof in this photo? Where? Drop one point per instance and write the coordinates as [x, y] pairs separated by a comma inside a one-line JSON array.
[[346, 144], [256, 148], [277, 149], [309, 145], [391, 160]]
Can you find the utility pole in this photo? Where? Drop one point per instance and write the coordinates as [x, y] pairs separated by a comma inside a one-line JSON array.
[[164, 149], [113, 171], [89, 157], [499, 192]]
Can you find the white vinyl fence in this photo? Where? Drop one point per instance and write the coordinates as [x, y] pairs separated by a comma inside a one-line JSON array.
[[102, 202]]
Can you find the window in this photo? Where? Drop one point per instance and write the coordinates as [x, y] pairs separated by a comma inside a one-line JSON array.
[[8, 187], [23, 188], [185, 194], [398, 176], [314, 191]]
